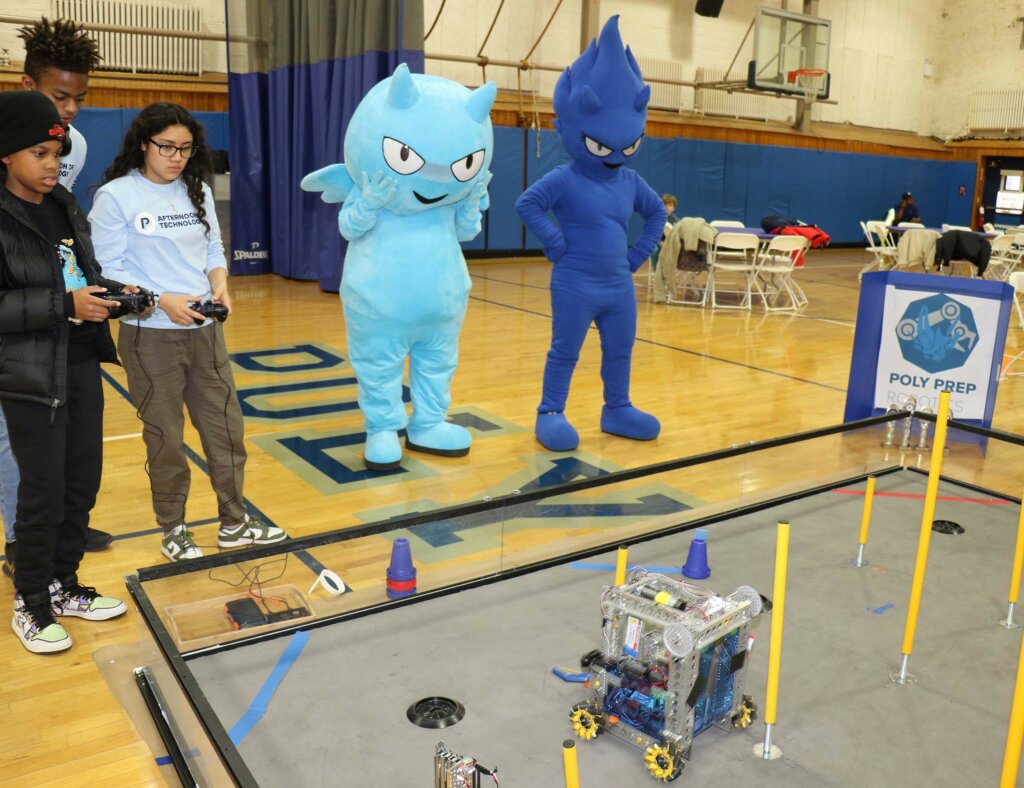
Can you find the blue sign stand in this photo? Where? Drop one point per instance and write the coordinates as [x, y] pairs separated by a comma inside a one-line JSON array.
[[921, 334]]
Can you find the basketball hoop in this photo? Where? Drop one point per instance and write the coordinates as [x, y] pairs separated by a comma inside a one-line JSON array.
[[810, 80]]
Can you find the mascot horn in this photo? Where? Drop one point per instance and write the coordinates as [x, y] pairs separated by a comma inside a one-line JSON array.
[[414, 182], [601, 107]]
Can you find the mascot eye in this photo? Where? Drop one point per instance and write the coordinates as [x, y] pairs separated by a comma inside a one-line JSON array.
[[597, 148], [468, 166], [400, 157], [632, 148]]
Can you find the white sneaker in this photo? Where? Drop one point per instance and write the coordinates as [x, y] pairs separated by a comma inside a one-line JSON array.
[[177, 545], [84, 602], [36, 627], [248, 532]]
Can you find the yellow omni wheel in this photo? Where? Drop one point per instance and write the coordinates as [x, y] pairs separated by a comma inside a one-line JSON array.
[[746, 715], [661, 764], [584, 723], [742, 720]]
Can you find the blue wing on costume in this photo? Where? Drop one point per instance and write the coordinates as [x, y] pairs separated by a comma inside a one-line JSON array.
[[333, 181]]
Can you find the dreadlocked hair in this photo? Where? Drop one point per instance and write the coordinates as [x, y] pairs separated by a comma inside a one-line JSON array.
[[59, 44], [148, 124]]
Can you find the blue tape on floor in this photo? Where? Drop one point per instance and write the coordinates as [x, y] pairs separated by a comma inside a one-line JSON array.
[[664, 570], [164, 760], [878, 611], [259, 704]]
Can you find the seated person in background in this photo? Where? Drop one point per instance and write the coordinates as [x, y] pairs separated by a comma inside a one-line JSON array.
[[906, 210], [670, 203]]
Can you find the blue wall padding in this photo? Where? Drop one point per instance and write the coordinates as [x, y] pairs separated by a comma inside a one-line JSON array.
[[104, 129], [503, 227], [720, 180]]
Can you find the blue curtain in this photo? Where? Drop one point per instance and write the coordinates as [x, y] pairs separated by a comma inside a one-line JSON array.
[[289, 119]]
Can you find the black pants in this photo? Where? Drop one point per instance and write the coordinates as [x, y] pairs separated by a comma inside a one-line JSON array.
[[61, 464]]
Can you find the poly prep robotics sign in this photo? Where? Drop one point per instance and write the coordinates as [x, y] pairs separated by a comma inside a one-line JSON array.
[[935, 343]]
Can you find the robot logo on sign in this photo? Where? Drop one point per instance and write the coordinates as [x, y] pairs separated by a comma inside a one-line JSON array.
[[937, 333]]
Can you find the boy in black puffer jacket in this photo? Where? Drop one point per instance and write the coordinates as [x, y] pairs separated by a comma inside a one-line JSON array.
[[53, 336]]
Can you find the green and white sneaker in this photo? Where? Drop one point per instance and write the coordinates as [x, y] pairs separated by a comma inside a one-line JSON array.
[[177, 545], [249, 532], [36, 627], [84, 602]]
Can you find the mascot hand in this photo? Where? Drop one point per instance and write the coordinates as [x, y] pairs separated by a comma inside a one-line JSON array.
[[556, 249], [479, 190], [378, 191], [634, 260]]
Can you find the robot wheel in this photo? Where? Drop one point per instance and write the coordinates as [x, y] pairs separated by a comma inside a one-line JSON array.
[[747, 713], [662, 764], [585, 723]]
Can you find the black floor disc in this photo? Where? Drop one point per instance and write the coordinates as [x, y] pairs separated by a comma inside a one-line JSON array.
[[435, 712], [947, 527]]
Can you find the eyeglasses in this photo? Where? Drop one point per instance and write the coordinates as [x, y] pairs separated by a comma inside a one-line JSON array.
[[168, 151]]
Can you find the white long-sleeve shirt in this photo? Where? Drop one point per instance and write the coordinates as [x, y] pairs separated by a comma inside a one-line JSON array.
[[72, 164], [149, 234]]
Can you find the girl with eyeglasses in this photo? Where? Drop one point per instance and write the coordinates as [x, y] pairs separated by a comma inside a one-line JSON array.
[[154, 220]]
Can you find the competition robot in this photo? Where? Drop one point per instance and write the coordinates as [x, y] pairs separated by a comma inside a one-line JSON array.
[[601, 107], [414, 182]]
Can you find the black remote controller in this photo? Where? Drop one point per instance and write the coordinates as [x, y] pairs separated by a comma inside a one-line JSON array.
[[209, 309], [128, 303]]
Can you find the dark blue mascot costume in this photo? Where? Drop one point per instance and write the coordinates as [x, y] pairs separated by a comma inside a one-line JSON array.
[[601, 107]]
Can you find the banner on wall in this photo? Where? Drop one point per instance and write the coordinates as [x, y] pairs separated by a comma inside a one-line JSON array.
[[919, 335]]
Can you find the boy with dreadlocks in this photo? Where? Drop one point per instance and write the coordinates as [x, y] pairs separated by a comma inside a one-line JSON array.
[[58, 59]]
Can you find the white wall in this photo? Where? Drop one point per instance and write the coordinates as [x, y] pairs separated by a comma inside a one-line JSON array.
[[978, 47], [214, 53], [877, 55]]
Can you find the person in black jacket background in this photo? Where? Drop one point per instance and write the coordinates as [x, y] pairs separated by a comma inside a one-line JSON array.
[[53, 336]]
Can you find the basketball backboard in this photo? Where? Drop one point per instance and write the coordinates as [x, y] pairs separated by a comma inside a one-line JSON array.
[[784, 43]]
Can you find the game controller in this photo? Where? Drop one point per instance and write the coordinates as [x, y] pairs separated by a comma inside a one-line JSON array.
[[128, 303], [209, 309]]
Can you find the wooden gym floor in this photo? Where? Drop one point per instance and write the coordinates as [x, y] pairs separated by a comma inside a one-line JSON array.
[[713, 378]]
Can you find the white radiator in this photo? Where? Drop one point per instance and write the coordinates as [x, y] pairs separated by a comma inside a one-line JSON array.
[[720, 102], [663, 96], [997, 110], [136, 52]]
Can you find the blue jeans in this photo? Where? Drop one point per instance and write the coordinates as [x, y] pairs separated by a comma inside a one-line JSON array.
[[9, 480]]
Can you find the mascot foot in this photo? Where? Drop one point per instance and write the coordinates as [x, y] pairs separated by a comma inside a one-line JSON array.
[[555, 433], [448, 440], [382, 452], [628, 422]]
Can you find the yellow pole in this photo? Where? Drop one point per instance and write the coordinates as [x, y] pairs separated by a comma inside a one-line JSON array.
[[1018, 560], [1011, 759], [927, 517], [865, 521], [620, 565], [572, 769], [775, 641]]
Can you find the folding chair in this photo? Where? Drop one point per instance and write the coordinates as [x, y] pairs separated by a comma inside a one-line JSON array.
[[1005, 258], [720, 224], [775, 270], [884, 252], [733, 253], [910, 224]]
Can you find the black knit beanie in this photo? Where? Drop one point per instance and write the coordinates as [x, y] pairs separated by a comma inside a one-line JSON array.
[[26, 119]]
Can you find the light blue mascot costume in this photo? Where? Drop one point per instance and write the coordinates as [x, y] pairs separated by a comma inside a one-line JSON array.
[[601, 107], [414, 182]]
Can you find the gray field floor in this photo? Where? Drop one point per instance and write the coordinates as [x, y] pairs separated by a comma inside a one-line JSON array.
[[338, 717]]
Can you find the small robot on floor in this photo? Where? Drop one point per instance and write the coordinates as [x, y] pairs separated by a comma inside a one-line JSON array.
[[414, 182], [672, 664]]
